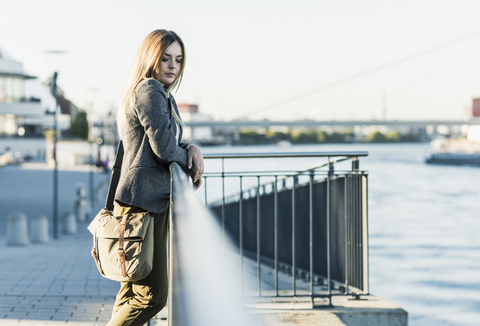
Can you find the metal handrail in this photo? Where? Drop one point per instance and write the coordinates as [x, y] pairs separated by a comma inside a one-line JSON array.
[[200, 291], [285, 174], [340, 157], [349, 154]]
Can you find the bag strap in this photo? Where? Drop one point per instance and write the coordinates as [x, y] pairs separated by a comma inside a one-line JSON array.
[[121, 250], [95, 253], [117, 166]]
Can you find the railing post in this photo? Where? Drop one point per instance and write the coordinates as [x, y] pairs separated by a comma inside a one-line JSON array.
[[206, 203], [240, 235], [223, 200], [311, 233], [365, 270], [329, 277], [275, 212], [294, 283], [331, 169], [355, 164], [258, 239], [347, 239]]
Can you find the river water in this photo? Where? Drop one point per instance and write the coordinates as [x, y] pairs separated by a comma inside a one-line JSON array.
[[424, 227]]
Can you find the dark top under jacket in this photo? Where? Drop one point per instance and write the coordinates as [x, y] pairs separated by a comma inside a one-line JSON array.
[[150, 145]]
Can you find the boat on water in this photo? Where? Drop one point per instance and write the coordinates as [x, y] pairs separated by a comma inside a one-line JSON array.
[[454, 158], [456, 151]]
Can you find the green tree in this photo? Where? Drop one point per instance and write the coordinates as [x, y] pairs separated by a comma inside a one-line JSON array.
[[322, 136], [394, 136], [305, 137], [411, 137], [349, 136], [251, 137], [276, 136], [80, 125], [335, 137], [376, 137]]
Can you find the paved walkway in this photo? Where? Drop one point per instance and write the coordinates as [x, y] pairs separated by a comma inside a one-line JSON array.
[[54, 283], [49, 284]]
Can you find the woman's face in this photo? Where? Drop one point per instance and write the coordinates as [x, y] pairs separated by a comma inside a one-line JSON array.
[[170, 64]]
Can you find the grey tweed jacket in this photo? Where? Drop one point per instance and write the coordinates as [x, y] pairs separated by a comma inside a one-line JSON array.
[[150, 146]]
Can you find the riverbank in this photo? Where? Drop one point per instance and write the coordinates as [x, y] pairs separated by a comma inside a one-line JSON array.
[[319, 136]]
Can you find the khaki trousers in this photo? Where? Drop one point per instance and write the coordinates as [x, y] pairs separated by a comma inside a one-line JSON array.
[[138, 302]]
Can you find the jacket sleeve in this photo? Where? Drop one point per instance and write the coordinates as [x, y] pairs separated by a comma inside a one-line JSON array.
[[152, 112], [184, 145]]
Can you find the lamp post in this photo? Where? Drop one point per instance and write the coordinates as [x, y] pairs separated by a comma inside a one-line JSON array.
[[91, 140], [53, 89]]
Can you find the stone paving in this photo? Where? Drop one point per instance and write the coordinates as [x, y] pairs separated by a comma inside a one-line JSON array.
[[56, 282]]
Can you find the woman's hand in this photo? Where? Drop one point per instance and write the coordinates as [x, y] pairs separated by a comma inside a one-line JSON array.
[[195, 165]]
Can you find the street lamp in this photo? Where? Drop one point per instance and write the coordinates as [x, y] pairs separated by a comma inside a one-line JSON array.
[[56, 56], [91, 140]]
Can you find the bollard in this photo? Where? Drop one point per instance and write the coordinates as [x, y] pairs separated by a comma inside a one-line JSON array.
[[81, 210], [81, 192], [17, 231], [81, 205], [39, 229], [69, 223], [101, 190]]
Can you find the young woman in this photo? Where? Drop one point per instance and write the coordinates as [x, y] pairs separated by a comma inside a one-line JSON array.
[[151, 131]]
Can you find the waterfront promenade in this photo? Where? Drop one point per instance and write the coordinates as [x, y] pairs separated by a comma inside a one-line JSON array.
[[57, 283]]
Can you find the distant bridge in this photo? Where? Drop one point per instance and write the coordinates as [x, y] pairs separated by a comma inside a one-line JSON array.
[[345, 123]]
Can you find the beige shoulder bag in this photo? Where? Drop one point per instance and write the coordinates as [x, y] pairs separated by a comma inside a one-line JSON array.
[[122, 245]]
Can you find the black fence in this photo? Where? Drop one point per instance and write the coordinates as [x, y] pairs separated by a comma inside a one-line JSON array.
[[311, 224]]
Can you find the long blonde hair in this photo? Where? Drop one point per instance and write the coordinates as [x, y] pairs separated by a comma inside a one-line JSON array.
[[145, 65]]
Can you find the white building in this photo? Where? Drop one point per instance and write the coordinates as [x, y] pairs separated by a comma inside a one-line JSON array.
[[189, 113], [26, 105]]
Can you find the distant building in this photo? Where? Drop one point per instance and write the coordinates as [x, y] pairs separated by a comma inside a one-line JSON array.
[[14, 105], [202, 135], [473, 132], [26, 105], [476, 108], [187, 108]]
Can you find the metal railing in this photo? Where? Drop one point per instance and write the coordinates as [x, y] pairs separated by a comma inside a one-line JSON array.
[[310, 226]]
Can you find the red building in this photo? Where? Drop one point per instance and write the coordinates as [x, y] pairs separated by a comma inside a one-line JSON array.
[[476, 107], [187, 108]]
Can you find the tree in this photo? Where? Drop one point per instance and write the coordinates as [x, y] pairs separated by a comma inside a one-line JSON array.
[[376, 137], [80, 125], [277, 136]]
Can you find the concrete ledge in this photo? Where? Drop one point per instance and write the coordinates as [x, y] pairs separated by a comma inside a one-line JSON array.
[[368, 311], [294, 317]]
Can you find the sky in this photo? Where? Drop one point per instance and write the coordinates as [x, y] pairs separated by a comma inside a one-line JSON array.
[[264, 59]]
